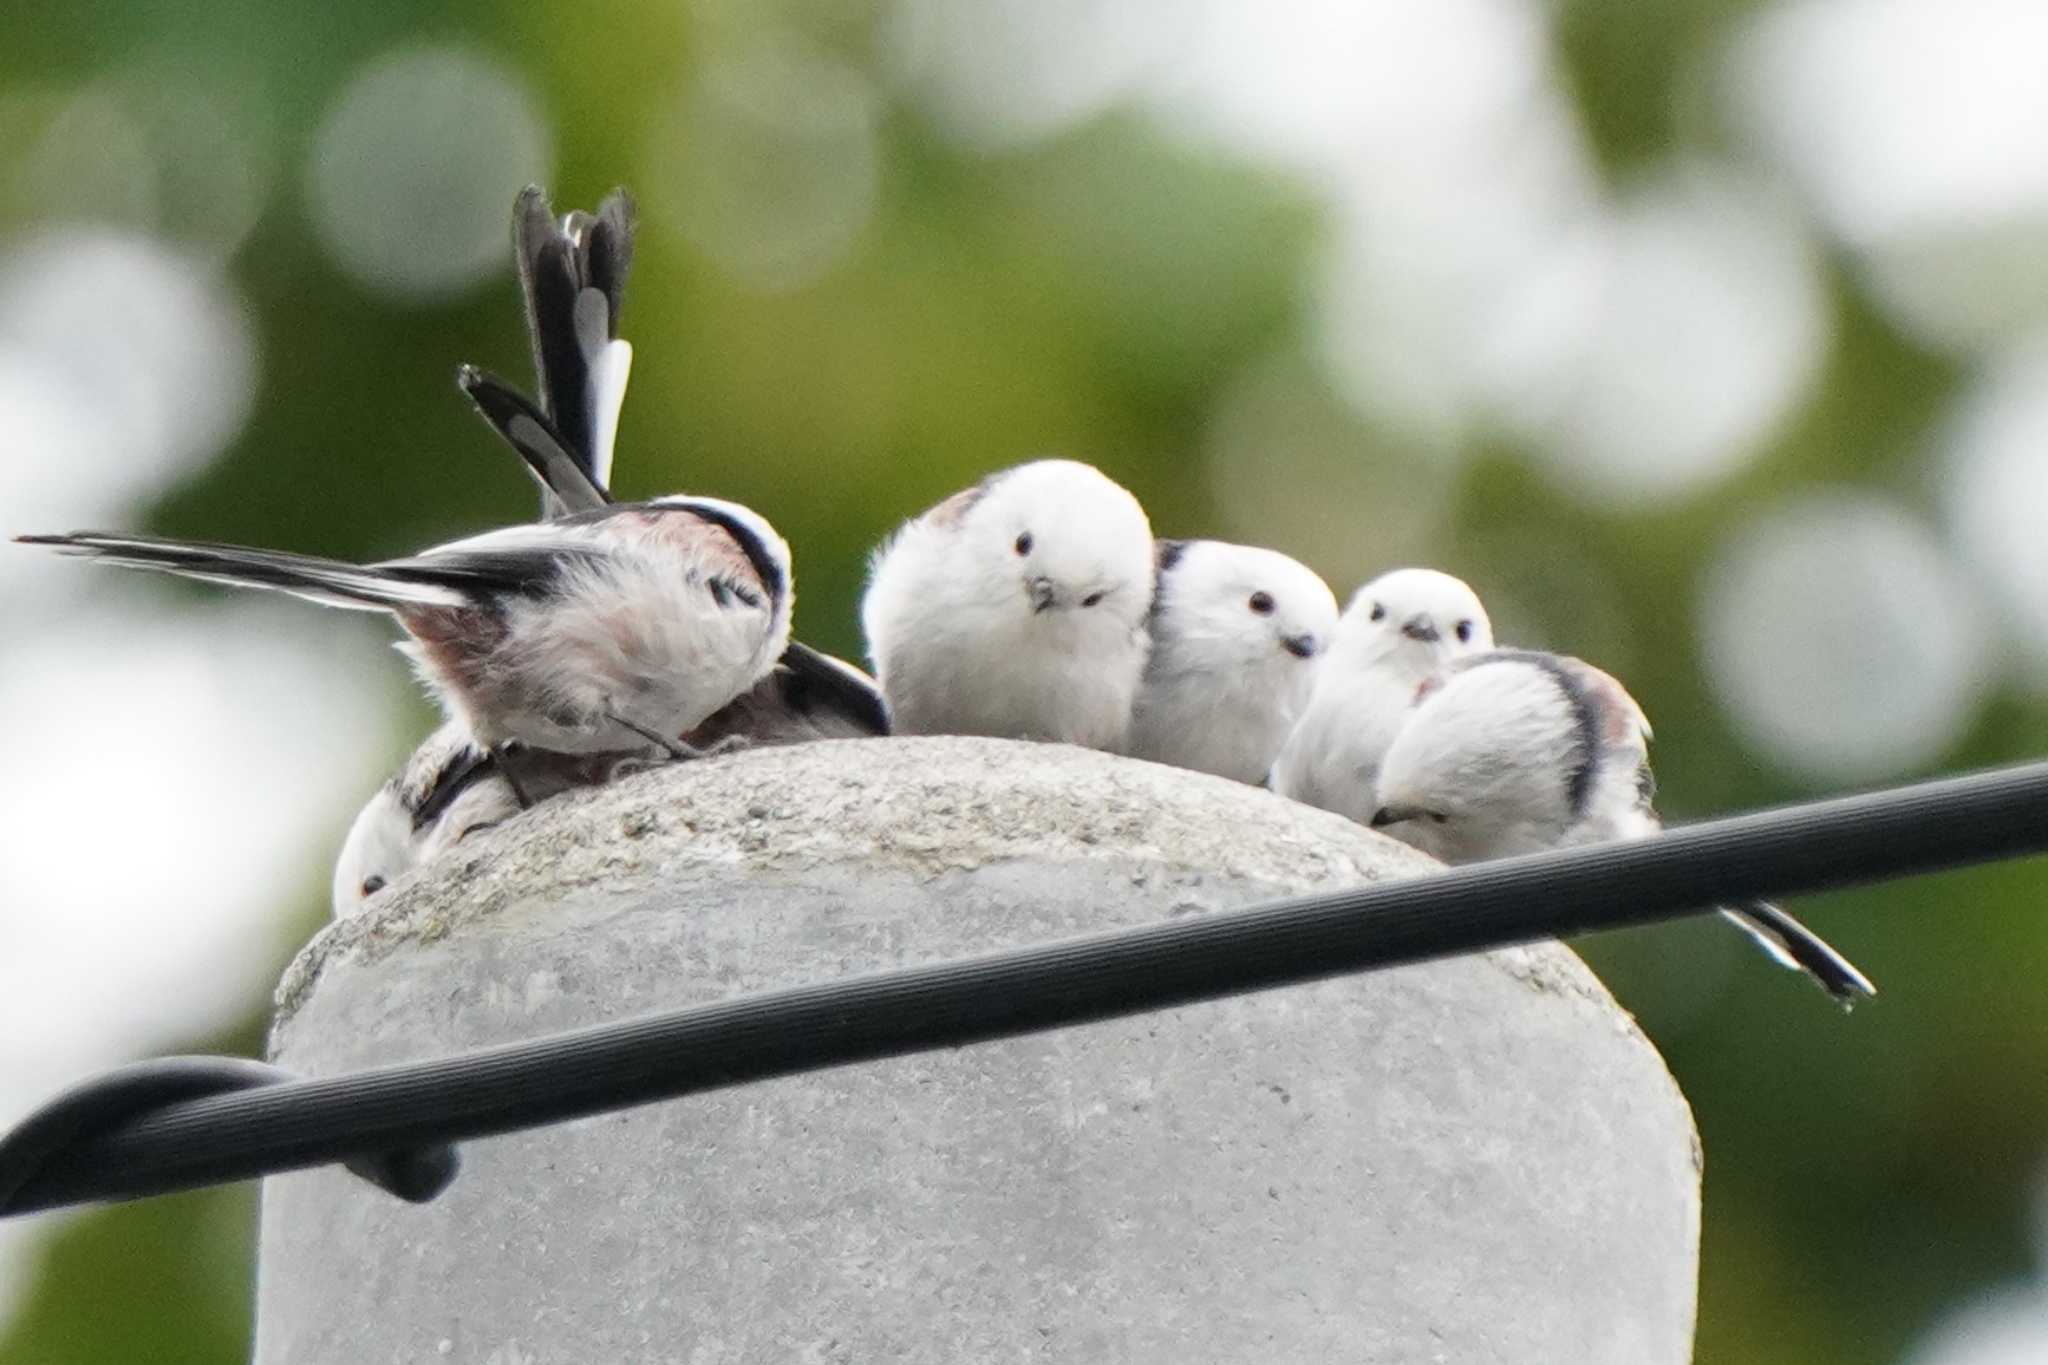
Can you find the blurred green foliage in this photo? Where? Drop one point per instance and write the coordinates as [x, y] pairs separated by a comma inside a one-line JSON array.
[[1091, 295]]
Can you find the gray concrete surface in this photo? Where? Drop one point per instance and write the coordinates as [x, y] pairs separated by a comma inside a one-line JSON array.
[[1470, 1161]]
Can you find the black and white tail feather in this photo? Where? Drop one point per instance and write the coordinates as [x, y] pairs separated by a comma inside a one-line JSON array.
[[572, 274], [1516, 750], [1791, 944], [330, 582]]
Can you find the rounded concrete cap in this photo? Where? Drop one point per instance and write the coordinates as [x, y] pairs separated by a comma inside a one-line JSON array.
[[1479, 1159]]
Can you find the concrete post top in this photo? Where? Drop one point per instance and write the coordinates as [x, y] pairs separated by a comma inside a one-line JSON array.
[[920, 806], [1478, 1159]]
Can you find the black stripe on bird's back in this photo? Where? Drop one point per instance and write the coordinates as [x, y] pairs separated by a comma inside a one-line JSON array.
[[1585, 718], [751, 545], [1166, 555], [467, 767]]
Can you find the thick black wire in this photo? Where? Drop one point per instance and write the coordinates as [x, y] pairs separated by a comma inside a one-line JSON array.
[[414, 1174], [1798, 849]]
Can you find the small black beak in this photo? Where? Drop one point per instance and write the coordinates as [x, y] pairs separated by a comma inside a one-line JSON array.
[[1420, 627], [1042, 594], [1300, 646]]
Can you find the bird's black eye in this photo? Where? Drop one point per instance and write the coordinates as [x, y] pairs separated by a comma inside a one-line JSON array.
[[1379, 611], [1436, 815], [372, 884], [1464, 631], [1262, 603], [1092, 599], [1024, 543]]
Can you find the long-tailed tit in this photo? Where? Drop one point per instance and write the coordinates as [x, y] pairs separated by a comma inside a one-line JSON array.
[[1237, 633], [572, 271], [807, 695], [1016, 608], [448, 789], [1518, 751], [1399, 632], [605, 630]]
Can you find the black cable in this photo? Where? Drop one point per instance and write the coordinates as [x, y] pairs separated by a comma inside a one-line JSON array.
[[1807, 848], [414, 1174]]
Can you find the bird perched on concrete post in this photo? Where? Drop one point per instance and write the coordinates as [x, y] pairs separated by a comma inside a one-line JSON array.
[[1237, 633], [1399, 632], [601, 631], [1016, 609], [1518, 750], [572, 272]]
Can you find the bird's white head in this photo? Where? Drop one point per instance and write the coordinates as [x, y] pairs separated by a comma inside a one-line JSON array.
[[1417, 620], [1240, 606], [1060, 539]]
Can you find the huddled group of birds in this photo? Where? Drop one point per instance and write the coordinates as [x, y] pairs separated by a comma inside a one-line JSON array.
[[610, 637]]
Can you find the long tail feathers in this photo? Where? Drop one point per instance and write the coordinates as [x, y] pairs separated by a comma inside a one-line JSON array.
[[1793, 945], [573, 274], [605, 252], [331, 582], [564, 483]]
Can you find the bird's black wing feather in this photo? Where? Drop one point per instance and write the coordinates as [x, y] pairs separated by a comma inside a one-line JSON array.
[[491, 572], [813, 681]]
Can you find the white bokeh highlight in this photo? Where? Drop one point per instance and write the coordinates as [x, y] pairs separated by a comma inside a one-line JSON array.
[[175, 791], [124, 364], [1322, 84], [770, 162], [213, 150], [1840, 638], [995, 74], [78, 155], [1661, 346], [1916, 127], [414, 168], [1994, 480], [175, 784]]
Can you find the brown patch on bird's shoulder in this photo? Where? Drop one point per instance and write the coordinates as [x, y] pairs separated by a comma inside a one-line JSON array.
[[954, 510], [709, 546], [1622, 718]]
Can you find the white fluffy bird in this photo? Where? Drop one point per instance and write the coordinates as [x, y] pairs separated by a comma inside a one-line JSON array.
[[1237, 632], [1398, 634], [1518, 751], [1016, 608]]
